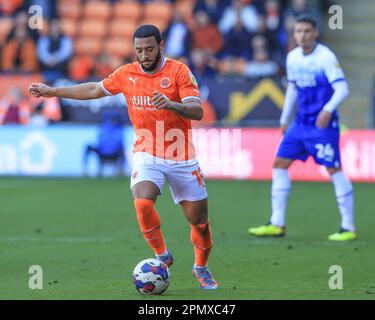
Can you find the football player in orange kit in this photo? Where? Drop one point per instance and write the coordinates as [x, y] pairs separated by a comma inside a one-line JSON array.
[[162, 97]]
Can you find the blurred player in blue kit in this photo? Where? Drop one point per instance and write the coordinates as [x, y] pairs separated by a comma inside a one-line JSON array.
[[316, 83]]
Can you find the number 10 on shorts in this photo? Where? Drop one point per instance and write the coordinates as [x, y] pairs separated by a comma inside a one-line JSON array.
[[199, 175]]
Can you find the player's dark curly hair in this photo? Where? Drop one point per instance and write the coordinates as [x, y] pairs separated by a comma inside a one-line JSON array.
[[148, 30]]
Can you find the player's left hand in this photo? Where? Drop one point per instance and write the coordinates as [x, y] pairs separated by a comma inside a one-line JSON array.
[[324, 119], [160, 101]]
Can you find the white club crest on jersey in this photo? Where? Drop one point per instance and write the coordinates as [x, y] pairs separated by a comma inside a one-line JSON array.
[[165, 83]]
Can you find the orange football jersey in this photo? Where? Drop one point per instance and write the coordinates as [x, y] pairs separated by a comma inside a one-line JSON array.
[[162, 133]]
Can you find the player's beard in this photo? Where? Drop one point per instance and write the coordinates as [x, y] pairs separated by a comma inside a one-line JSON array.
[[154, 65]]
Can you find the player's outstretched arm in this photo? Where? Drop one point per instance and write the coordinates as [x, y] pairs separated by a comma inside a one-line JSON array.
[[84, 91]]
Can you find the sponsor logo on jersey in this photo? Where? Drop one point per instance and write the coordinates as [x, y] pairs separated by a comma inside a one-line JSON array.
[[141, 101]]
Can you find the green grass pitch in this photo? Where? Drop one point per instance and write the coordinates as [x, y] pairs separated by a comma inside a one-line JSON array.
[[84, 234]]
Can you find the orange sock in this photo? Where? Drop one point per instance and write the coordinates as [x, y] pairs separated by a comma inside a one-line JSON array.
[[149, 222], [202, 241]]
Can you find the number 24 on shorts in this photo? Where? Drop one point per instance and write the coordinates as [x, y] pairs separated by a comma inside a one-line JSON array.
[[325, 151]]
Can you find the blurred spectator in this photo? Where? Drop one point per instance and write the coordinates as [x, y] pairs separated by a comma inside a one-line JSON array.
[[206, 35], [110, 145], [297, 7], [258, 42], [214, 8], [237, 41], [247, 13], [14, 108], [286, 37], [260, 65], [19, 53], [9, 7], [21, 21], [202, 64], [271, 27], [54, 52], [272, 14], [177, 37], [271, 24]]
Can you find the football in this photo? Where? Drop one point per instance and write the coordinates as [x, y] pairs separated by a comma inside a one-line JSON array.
[[151, 277]]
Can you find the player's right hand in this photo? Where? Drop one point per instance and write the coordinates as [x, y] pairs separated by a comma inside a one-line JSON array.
[[283, 128], [41, 90]]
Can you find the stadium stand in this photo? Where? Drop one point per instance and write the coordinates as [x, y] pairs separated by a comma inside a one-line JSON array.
[[102, 31], [356, 48], [89, 22]]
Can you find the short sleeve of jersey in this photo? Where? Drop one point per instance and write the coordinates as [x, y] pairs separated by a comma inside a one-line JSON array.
[[332, 68], [113, 83], [187, 84], [289, 70]]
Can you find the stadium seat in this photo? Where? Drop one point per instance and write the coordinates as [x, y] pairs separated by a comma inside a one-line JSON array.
[[122, 28], [91, 46], [158, 10], [118, 47], [69, 26], [60, 2], [92, 28], [162, 24], [6, 25], [69, 9], [97, 10], [127, 10], [70, 2]]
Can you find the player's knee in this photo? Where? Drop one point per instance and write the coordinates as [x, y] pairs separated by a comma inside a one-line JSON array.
[[332, 171], [281, 163], [145, 190], [202, 228], [198, 221]]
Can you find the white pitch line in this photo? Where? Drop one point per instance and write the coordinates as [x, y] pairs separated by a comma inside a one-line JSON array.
[[59, 240], [296, 243]]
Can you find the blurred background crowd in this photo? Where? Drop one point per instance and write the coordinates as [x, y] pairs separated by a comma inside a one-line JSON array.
[[85, 40]]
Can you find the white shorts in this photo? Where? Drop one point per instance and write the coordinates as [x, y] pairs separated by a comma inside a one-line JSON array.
[[185, 178]]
